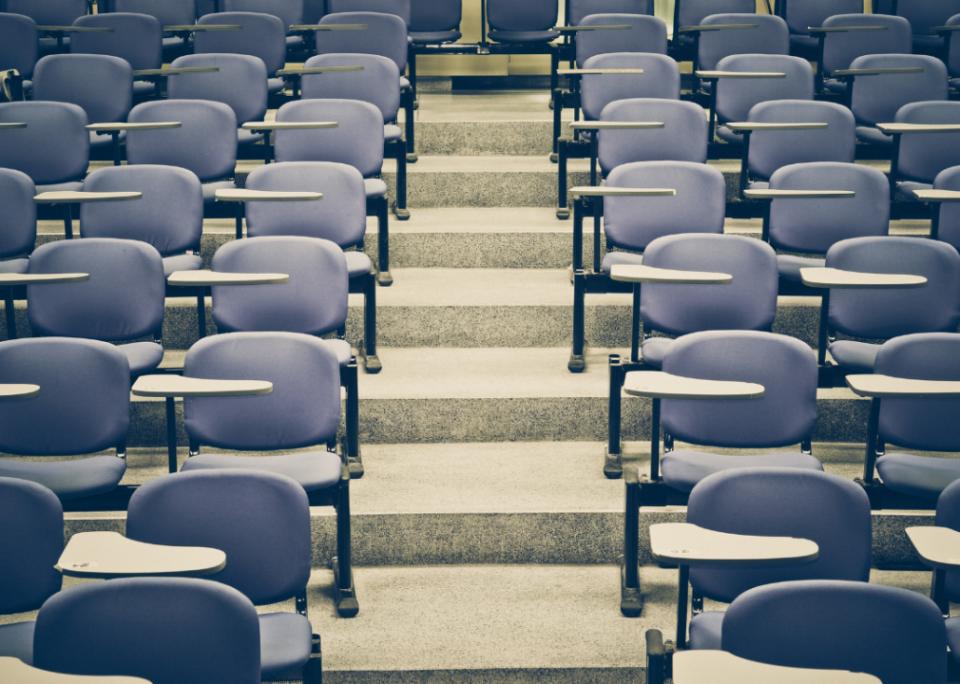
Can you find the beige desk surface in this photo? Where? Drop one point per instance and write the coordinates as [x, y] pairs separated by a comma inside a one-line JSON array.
[[638, 273], [9, 391], [108, 554], [10, 279], [170, 385], [660, 385], [207, 278], [938, 547], [606, 191], [834, 278], [239, 195], [14, 671], [71, 197], [874, 385], [720, 667], [688, 544]]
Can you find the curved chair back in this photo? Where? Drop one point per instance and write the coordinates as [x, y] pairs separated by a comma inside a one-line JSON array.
[[803, 14], [167, 12], [137, 38], [948, 515], [169, 216], [268, 554], [136, 627], [770, 37], [949, 232], [580, 9], [205, 144], [49, 12], [748, 303], [378, 83], [19, 44], [693, 12], [737, 96], [532, 15], [304, 372], [385, 35], [784, 366], [697, 207], [660, 79], [290, 12], [682, 138], [924, 16], [646, 34], [18, 225], [401, 8], [803, 225], [877, 99], [783, 502], [840, 50], [357, 140], [339, 217], [923, 156], [241, 83], [260, 35], [895, 634], [101, 85], [53, 148], [31, 539], [771, 150], [314, 301], [86, 395], [428, 16], [889, 313]]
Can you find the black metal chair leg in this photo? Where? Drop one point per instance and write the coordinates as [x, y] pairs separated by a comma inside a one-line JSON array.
[[612, 464], [401, 202], [371, 361], [631, 600], [10, 313], [408, 123], [563, 212], [576, 364], [346, 593], [383, 243], [348, 378]]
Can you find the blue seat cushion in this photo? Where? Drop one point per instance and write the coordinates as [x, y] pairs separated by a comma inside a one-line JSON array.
[[424, 37], [682, 470], [923, 476], [97, 140], [16, 641], [705, 631], [374, 187], [69, 479], [729, 136], [871, 135], [285, 641], [14, 266], [654, 349], [294, 42], [858, 357], [313, 470], [172, 43], [143, 88], [358, 264], [906, 190], [953, 637], [804, 42], [342, 349], [210, 189], [611, 259], [245, 137], [275, 85], [523, 36], [758, 185], [789, 265], [69, 186], [391, 133], [181, 262], [142, 356], [835, 85], [405, 83]]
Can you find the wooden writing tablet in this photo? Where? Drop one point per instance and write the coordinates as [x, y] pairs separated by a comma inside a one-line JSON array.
[[938, 547], [638, 273], [9, 391], [15, 671], [194, 28], [720, 667], [938, 195], [238, 195], [75, 29], [71, 197], [11, 279], [836, 279], [588, 72], [328, 27], [13, 124], [286, 125], [891, 128], [604, 191], [844, 29], [317, 70], [944, 29], [206, 278], [108, 554], [716, 27], [614, 125], [182, 386], [688, 544], [660, 385], [798, 194], [174, 72], [749, 126], [571, 29], [878, 72], [740, 74], [871, 385], [146, 126]]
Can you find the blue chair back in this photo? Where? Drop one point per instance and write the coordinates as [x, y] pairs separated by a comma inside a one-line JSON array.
[[895, 634], [19, 44], [85, 393], [31, 539], [646, 34], [167, 12], [697, 207], [841, 49], [783, 502], [401, 8], [137, 38], [378, 83], [949, 232], [290, 12], [771, 150], [813, 226], [532, 15], [435, 15], [889, 313], [693, 12], [784, 366], [385, 35], [240, 84], [682, 138], [49, 12], [660, 79], [101, 85], [53, 148], [924, 16], [924, 155], [748, 303], [771, 37], [169, 216], [580, 9], [205, 144], [339, 217], [268, 554], [167, 630], [260, 35], [803, 14], [18, 224], [313, 302], [877, 99], [737, 96], [304, 372], [948, 515], [357, 140]]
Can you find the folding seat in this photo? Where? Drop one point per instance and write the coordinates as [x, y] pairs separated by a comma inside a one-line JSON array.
[[737, 34], [85, 392], [50, 13], [672, 302], [53, 148], [921, 152], [529, 24], [801, 15], [260, 35], [31, 539], [137, 38], [205, 143], [290, 12], [656, 199], [845, 37], [135, 626], [358, 141], [19, 51], [168, 13], [268, 554]]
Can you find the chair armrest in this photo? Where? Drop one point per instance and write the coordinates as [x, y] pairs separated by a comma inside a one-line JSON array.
[[708, 667], [844, 29], [834, 278], [938, 195], [574, 29], [13, 124], [207, 278], [938, 547], [109, 554], [714, 75], [75, 29], [942, 30], [604, 191], [897, 128], [883, 386], [317, 70], [15, 670], [286, 125], [70, 197], [13, 279], [327, 27], [141, 73], [797, 194], [660, 385], [638, 273], [8, 391], [877, 72], [265, 196], [196, 28], [182, 386], [592, 72], [614, 125], [690, 544], [738, 127], [716, 27], [104, 128]]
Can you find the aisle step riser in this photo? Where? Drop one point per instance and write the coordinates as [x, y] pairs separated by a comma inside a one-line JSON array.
[[475, 138]]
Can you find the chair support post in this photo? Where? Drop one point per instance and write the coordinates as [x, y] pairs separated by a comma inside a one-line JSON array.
[[744, 164], [823, 330], [631, 600], [578, 234], [635, 326], [68, 221], [765, 234], [562, 210], [347, 605], [557, 108], [712, 128], [10, 313], [873, 428], [409, 129], [938, 591], [597, 215], [655, 439], [401, 202], [594, 155], [371, 361], [614, 407], [201, 314], [349, 381], [171, 434], [818, 76], [576, 363], [894, 166], [935, 222], [267, 148], [115, 136], [239, 219], [383, 246], [682, 594]]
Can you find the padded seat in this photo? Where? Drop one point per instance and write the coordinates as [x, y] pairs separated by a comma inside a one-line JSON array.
[[143, 88], [857, 357], [682, 470], [874, 136], [342, 349], [69, 479], [142, 356], [97, 140], [14, 266], [906, 189], [405, 83], [210, 189], [523, 36], [275, 85], [71, 186], [294, 42], [835, 85], [423, 37], [245, 137], [922, 476], [789, 265], [705, 630], [16, 641], [729, 136], [611, 259], [358, 264], [391, 133], [181, 262], [312, 470], [653, 350], [374, 187], [285, 642]]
